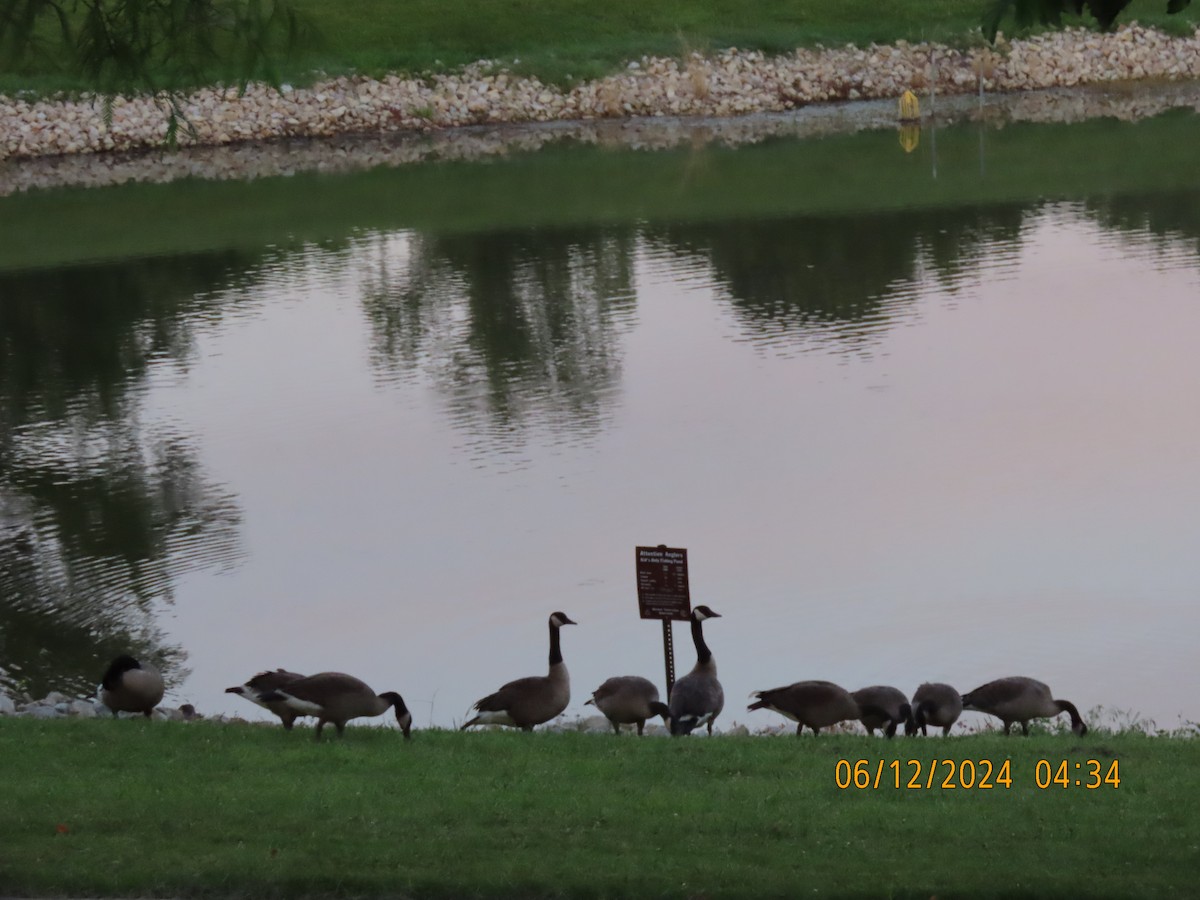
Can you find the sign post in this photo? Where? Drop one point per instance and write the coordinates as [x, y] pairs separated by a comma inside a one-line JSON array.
[[662, 583]]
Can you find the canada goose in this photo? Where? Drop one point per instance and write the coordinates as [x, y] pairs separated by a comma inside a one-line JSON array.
[[1019, 699], [265, 682], [530, 701], [697, 698], [628, 699], [817, 704], [336, 697], [883, 707], [934, 704], [131, 686]]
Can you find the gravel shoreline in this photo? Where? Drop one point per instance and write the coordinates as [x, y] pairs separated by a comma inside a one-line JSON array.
[[731, 83], [282, 157]]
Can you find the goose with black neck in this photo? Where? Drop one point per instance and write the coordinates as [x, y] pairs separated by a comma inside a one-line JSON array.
[[697, 698], [530, 701]]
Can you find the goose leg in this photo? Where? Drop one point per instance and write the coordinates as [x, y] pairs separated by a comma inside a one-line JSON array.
[[1025, 729], [1007, 727], [320, 725], [341, 728], [891, 730], [945, 731], [616, 728], [641, 724]]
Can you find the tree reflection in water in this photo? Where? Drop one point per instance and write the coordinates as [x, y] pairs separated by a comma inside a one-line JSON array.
[[513, 328], [1174, 216], [518, 328], [837, 281], [99, 511]]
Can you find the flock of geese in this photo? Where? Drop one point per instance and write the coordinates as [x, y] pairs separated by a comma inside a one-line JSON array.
[[696, 699]]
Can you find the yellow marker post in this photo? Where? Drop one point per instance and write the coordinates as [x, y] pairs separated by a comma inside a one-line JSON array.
[[910, 116]]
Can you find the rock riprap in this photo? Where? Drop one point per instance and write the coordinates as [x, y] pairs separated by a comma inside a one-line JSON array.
[[59, 706], [729, 83]]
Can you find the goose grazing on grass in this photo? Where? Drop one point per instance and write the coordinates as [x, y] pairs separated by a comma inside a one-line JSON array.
[[934, 704], [628, 700], [131, 686], [817, 704], [1019, 699], [265, 682], [530, 701], [697, 698], [336, 697], [883, 707]]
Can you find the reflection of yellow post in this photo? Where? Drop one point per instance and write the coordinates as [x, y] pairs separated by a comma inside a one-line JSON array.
[[910, 135]]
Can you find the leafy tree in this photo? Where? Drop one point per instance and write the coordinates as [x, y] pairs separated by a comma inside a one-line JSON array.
[[1050, 12], [155, 46]]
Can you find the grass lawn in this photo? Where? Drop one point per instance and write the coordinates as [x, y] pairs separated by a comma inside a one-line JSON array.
[[564, 40], [131, 808]]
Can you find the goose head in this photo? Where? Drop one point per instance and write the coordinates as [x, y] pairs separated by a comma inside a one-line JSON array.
[[558, 619], [702, 612], [403, 716]]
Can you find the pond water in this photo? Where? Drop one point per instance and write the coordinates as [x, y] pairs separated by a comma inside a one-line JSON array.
[[913, 417]]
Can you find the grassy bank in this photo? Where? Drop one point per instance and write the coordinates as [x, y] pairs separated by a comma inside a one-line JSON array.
[[128, 808], [565, 40]]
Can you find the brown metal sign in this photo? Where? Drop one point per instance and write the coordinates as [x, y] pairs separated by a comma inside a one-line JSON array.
[[662, 583]]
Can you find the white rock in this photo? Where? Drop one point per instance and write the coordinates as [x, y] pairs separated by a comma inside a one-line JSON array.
[[81, 709]]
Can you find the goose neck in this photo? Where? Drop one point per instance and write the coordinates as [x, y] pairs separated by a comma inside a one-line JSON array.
[[703, 654], [556, 657]]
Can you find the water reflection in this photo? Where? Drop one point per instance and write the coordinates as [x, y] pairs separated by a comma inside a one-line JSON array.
[[99, 512], [840, 281], [511, 327], [1174, 216], [383, 360]]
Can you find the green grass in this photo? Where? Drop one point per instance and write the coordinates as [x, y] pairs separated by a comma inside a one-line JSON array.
[[130, 808], [556, 187], [566, 40]]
